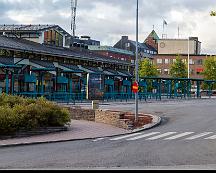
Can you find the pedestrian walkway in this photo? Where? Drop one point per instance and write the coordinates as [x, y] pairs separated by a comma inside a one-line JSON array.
[[165, 136], [77, 131]]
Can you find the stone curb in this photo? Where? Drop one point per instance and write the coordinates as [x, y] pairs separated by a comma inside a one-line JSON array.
[[156, 121]]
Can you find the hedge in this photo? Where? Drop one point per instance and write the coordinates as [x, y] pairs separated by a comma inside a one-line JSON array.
[[19, 113]]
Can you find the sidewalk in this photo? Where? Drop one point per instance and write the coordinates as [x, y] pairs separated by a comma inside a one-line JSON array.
[[79, 130]]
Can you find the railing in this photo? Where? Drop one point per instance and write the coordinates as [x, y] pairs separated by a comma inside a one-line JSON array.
[[60, 97]]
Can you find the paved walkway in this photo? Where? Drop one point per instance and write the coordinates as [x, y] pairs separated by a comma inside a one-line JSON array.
[[79, 130]]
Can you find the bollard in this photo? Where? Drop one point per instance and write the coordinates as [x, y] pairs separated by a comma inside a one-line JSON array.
[[95, 104]]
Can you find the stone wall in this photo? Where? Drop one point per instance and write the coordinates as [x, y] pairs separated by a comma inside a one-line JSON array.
[[119, 119], [112, 118], [82, 114]]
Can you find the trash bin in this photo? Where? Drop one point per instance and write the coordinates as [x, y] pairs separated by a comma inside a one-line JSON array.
[[95, 104]]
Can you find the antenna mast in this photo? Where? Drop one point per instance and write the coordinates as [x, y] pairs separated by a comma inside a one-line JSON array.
[[73, 17]]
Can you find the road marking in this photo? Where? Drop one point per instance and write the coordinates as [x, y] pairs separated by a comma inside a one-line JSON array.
[[198, 136], [161, 136], [211, 137], [123, 137], [142, 136], [98, 139], [179, 136]]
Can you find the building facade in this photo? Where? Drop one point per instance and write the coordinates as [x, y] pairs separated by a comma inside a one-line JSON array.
[[164, 62], [83, 42], [43, 34], [179, 46], [32, 69], [144, 50], [112, 52]]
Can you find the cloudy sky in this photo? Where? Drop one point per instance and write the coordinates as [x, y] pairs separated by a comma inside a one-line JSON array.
[[108, 20]]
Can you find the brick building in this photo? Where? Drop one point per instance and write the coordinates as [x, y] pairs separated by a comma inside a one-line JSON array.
[[164, 62], [112, 52], [144, 50]]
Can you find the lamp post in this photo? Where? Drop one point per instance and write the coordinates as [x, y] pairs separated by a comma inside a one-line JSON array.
[[137, 67], [188, 57]]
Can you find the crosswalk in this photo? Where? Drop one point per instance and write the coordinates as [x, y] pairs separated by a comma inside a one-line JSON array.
[[165, 136]]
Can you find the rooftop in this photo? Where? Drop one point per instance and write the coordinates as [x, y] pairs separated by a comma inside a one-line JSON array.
[[28, 46]]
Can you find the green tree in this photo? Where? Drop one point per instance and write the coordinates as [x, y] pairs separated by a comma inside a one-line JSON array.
[[210, 68], [178, 69], [213, 13], [147, 69]]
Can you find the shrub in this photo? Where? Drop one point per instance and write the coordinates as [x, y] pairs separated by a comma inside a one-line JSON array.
[[9, 121], [20, 113]]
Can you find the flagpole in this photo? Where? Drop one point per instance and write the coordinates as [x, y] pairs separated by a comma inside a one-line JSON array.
[[137, 67]]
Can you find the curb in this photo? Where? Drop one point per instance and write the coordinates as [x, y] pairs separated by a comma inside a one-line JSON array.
[[155, 122]]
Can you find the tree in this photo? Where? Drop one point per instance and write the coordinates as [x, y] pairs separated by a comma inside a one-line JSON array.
[[178, 69], [213, 13], [147, 69], [210, 68]]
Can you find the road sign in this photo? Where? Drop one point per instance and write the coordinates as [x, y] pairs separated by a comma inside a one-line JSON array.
[[135, 87]]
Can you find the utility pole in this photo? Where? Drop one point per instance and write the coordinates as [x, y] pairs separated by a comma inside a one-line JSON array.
[[137, 67], [188, 57]]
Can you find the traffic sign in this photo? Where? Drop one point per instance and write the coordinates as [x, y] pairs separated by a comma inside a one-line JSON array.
[[135, 87]]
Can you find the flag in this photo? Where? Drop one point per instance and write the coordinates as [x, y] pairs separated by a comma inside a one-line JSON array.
[[165, 23]]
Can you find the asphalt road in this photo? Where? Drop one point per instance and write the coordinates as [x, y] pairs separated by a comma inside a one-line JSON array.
[[184, 140]]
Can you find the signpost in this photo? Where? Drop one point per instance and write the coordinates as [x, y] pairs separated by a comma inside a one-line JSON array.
[[137, 64]]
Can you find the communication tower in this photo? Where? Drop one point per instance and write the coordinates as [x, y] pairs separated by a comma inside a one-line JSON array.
[[73, 17]]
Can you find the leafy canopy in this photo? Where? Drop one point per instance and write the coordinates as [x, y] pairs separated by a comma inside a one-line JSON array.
[[213, 13], [210, 68], [178, 68], [147, 69]]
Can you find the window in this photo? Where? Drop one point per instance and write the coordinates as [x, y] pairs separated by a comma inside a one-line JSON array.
[[184, 61], [159, 71], [166, 71], [159, 61], [167, 61], [174, 60], [191, 71], [127, 45], [199, 62], [191, 61], [53, 37]]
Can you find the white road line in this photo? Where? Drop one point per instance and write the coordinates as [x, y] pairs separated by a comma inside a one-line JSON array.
[[98, 139], [123, 137], [198, 136], [142, 136], [211, 137], [161, 136], [179, 136]]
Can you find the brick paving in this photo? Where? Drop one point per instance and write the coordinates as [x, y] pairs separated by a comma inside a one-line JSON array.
[[77, 131]]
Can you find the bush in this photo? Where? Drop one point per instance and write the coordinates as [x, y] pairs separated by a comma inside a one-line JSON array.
[[20, 113], [9, 121]]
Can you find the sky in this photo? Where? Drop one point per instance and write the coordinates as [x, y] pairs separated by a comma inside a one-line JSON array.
[[108, 20]]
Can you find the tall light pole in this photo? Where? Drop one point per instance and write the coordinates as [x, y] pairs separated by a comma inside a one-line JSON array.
[[188, 57], [137, 67]]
